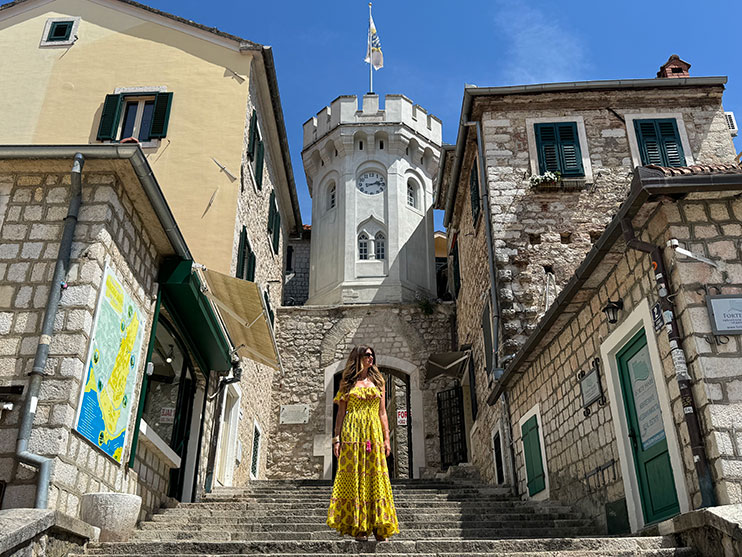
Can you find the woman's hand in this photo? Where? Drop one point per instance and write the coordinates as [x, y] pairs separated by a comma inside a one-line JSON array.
[[387, 447], [336, 449]]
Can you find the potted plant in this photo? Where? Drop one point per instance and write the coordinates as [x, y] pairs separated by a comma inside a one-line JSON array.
[[548, 178]]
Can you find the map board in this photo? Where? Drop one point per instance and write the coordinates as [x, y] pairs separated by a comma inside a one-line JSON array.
[[107, 395]]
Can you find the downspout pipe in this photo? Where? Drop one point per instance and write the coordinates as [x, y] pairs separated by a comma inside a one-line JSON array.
[[61, 268], [662, 278]]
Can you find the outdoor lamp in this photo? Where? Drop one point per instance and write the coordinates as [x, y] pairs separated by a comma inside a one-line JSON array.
[[169, 355], [611, 310]]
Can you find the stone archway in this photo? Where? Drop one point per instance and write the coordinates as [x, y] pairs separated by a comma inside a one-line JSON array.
[[323, 442]]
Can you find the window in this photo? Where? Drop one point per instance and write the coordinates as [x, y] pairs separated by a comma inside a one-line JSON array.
[[473, 389], [455, 263], [474, 192], [659, 142], [533, 457], [60, 31], [379, 246], [245, 258], [363, 246], [143, 116], [487, 338], [331, 195], [256, 150], [274, 223], [255, 461], [268, 307], [290, 258], [558, 149], [411, 194]]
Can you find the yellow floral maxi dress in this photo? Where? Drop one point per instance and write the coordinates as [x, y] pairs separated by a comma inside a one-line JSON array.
[[362, 495]]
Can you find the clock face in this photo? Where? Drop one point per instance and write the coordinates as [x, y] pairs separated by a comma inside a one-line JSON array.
[[371, 183]]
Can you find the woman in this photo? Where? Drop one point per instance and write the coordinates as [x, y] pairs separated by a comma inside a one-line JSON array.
[[362, 495]]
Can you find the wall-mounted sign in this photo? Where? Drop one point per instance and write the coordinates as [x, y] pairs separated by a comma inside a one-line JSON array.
[[401, 417], [590, 388], [111, 368], [167, 415], [294, 414], [657, 317], [725, 313]]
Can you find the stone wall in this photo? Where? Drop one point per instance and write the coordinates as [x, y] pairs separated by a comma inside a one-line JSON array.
[[296, 288], [109, 229], [315, 342], [253, 206], [576, 445]]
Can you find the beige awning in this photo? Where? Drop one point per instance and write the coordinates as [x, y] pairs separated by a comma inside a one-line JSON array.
[[242, 308], [447, 363]]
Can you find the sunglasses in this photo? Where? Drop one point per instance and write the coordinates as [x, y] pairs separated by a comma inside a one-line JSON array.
[[368, 355]]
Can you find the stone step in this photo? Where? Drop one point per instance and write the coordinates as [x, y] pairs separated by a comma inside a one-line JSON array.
[[402, 496], [307, 523], [664, 552], [609, 546], [323, 503], [529, 531]]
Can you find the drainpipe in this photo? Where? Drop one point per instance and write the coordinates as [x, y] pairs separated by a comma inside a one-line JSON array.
[[708, 497], [61, 268], [485, 198]]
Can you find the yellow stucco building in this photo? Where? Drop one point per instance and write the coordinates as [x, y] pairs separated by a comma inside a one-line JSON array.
[[185, 91]]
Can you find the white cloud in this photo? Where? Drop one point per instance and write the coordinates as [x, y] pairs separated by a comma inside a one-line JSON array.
[[538, 48]]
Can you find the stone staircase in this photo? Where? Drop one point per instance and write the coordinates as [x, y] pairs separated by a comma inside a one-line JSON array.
[[436, 518]]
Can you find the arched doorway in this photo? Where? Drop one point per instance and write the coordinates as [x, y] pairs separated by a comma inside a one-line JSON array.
[[400, 460]]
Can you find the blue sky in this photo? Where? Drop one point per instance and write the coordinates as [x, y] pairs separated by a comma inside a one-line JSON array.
[[431, 49]]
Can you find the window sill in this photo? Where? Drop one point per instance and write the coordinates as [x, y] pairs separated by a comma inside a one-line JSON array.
[[565, 184], [157, 445]]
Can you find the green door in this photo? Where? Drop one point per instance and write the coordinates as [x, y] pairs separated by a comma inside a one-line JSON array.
[[646, 431]]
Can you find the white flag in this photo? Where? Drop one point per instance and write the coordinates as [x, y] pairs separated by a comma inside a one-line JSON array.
[[374, 55]]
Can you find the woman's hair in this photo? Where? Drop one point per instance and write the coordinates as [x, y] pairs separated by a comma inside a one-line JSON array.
[[353, 369]]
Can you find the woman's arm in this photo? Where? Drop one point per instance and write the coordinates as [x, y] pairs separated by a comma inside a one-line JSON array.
[[384, 423], [338, 427]]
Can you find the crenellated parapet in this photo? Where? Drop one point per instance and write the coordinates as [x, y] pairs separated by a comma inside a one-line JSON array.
[[398, 109]]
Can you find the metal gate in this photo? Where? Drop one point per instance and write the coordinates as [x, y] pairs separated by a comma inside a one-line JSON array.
[[451, 427]]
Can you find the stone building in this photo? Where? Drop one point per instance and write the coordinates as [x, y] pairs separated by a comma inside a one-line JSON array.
[[371, 281], [537, 173], [229, 185]]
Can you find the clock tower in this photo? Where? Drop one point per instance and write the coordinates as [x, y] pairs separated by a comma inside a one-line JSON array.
[[370, 174]]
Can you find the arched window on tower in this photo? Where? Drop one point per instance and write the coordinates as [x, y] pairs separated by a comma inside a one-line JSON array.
[[363, 246], [380, 246], [331, 196], [411, 194]]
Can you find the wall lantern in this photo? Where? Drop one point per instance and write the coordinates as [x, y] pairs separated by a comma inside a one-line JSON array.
[[611, 310]]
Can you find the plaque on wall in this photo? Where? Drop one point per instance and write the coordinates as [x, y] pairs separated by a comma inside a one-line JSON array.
[[590, 388], [294, 414], [725, 313]]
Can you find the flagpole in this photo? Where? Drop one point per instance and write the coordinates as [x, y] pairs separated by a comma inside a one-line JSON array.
[[371, 55]]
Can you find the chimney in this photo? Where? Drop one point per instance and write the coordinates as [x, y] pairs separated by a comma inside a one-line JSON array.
[[674, 67]]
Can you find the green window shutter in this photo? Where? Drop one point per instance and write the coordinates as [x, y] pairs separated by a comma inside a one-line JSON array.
[[532, 454], [241, 254], [271, 211], [487, 335], [276, 230], [259, 164], [161, 115], [271, 314], [251, 266], [456, 274], [547, 147], [570, 157], [252, 135], [670, 138], [474, 192], [649, 142], [109, 118]]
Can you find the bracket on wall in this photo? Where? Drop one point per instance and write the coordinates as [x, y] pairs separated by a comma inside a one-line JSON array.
[[591, 389]]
